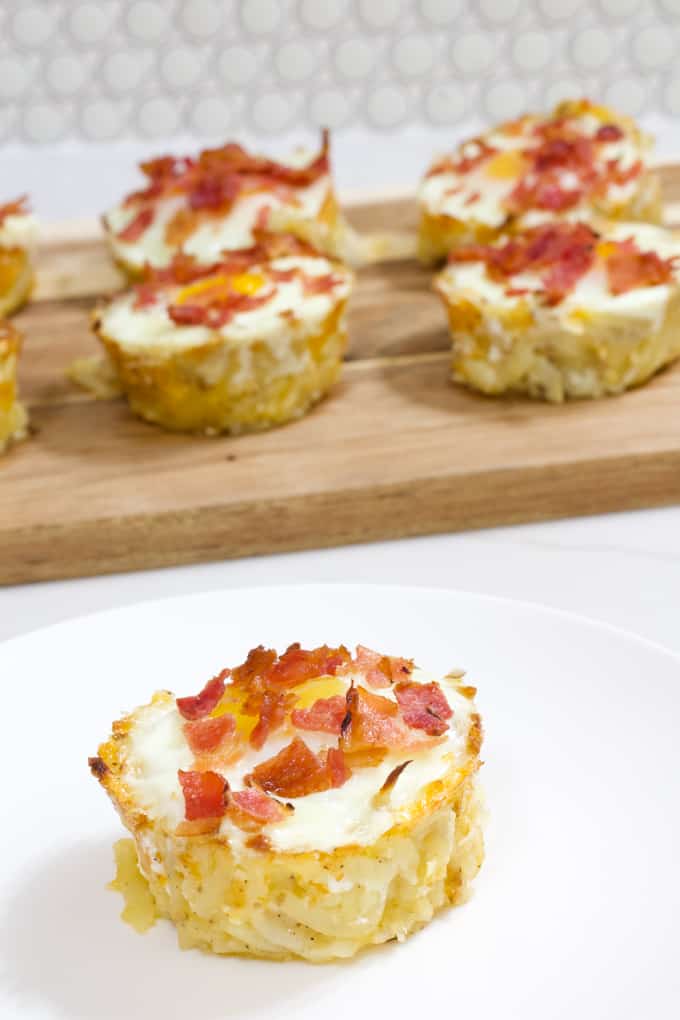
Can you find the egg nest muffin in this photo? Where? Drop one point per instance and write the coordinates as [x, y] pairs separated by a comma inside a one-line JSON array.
[[248, 342], [563, 311], [18, 230], [214, 202], [13, 418], [304, 805], [582, 160]]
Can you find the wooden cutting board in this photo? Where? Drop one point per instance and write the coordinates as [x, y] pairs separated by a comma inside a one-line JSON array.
[[396, 450]]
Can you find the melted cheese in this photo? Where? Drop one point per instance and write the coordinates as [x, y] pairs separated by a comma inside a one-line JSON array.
[[213, 236], [151, 327], [320, 821]]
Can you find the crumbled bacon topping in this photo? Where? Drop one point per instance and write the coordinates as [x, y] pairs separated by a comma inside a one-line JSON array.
[[379, 670], [296, 771], [203, 794], [220, 299], [608, 133], [205, 736], [364, 726], [564, 165], [375, 722], [137, 226], [17, 207], [629, 268], [424, 707], [196, 706], [216, 178], [252, 808], [559, 253]]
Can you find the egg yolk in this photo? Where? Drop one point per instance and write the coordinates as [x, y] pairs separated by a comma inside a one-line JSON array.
[[219, 288]]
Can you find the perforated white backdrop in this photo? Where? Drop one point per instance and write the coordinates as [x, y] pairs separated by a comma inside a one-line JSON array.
[[94, 85]]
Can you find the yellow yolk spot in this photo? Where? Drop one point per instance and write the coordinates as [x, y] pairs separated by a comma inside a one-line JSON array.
[[232, 702], [506, 165], [219, 288], [139, 910], [322, 687], [605, 249]]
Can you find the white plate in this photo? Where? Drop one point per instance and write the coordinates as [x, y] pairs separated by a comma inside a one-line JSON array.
[[575, 912]]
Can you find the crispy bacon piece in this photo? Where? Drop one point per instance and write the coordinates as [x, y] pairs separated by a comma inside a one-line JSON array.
[[203, 794], [338, 769], [205, 736], [220, 312], [296, 771], [616, 174], [198, 705], [379, 670], [608, 133], [297, 664], [137, 226], [374, 723], [629, 268], [17, 207], [560, 253], [324, 716], [258, 663], [218, 176], [424, 707], [251, 809], [371, 721], [184, 269], [322, 284], [273, 707]]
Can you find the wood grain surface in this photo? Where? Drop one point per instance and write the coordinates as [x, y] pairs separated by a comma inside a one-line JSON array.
[[396, 450]]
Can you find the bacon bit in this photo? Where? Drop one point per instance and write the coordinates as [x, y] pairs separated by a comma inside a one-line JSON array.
[[273, 707], [319, 284], [394, 776], [203, 794], [185, 270], [198, 705], [258, 663], [262, 218], [629, 268], [561, 253], [218, 176], [616, 174], [284, 275], [18, 207], [250, 809], [136, 227], [338, 768], [324, 716], [371, 721], [379, 670], [297, 664], [608, 133], [207, 735], [296, 771], [424, 707], [220, 312], [473, 197]]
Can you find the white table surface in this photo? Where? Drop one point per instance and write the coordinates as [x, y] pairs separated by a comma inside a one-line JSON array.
[[621, 568]]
